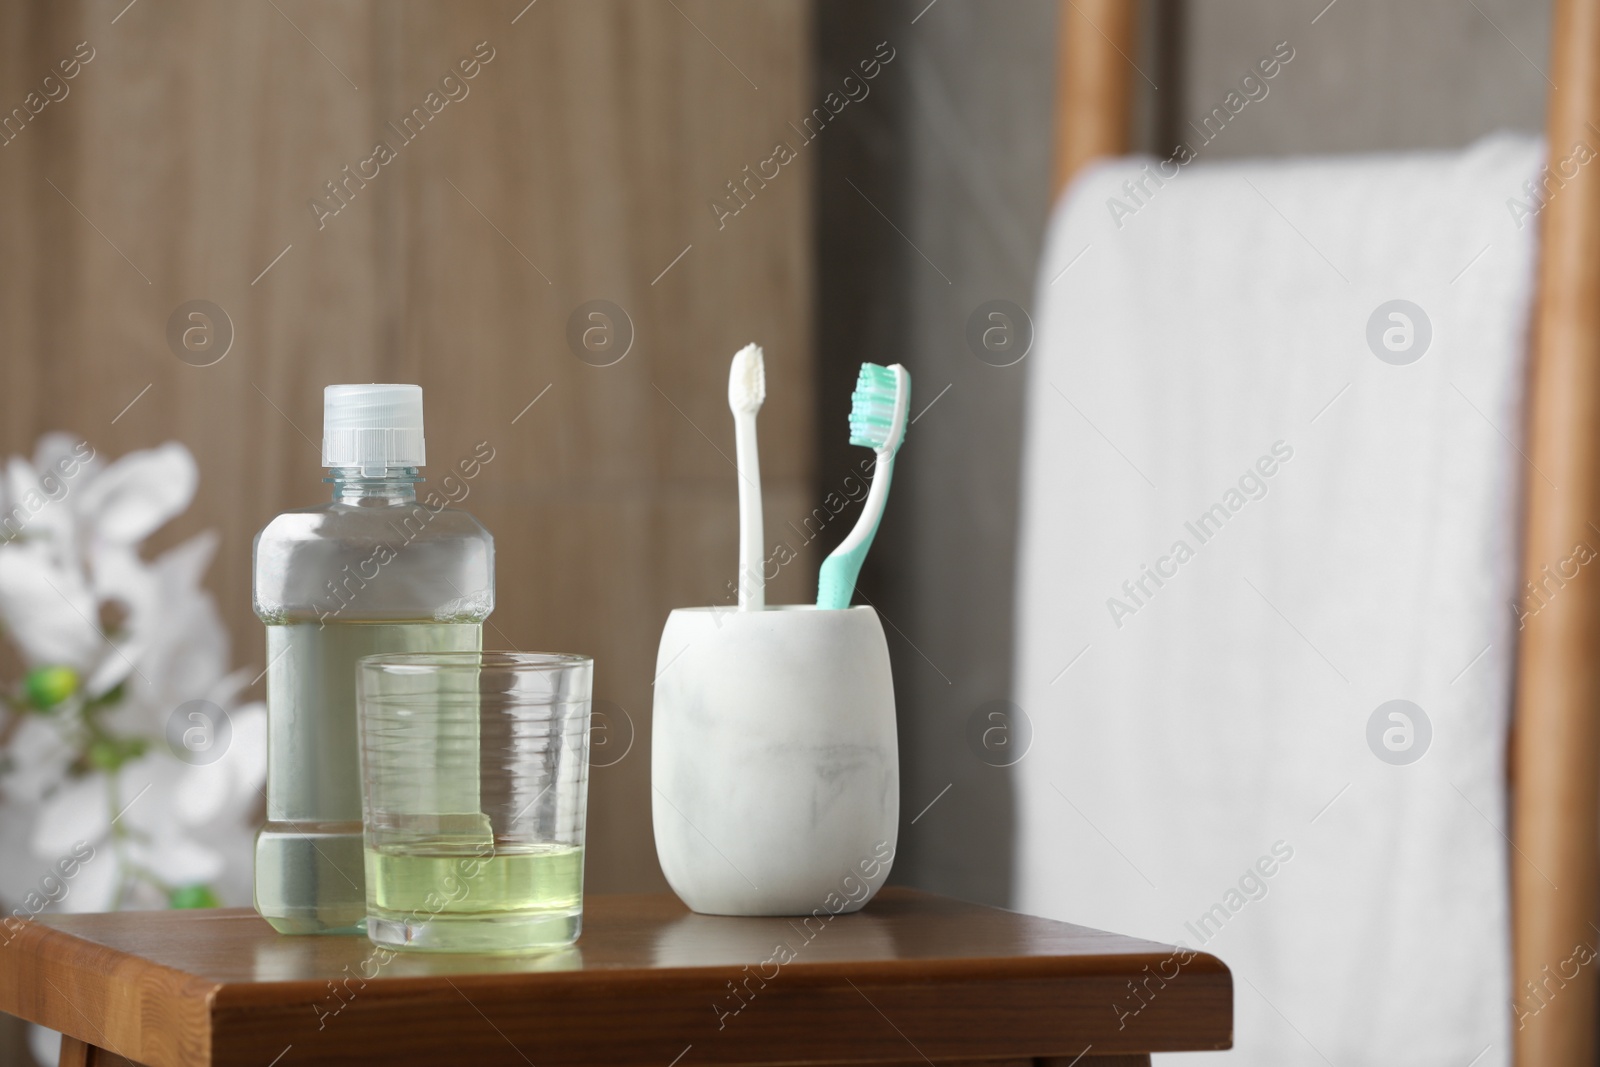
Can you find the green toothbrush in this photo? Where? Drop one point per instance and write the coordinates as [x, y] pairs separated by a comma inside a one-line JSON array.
[[878, 411]]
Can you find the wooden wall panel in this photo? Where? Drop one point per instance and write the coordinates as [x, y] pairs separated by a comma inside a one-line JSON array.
[[579, 165]]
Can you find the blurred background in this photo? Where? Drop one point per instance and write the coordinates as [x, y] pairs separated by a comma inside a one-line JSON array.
[[955, 149], [603, 153]]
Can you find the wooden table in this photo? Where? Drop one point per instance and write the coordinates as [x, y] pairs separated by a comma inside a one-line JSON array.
[[911, 979]]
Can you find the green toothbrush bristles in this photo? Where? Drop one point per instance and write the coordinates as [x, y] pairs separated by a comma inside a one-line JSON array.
[[878, 416], [872, 407]]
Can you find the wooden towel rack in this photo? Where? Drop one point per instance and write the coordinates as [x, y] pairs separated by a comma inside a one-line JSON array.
[[1555, 753]]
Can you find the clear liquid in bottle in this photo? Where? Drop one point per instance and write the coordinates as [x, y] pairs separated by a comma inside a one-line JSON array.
[[375, 570]]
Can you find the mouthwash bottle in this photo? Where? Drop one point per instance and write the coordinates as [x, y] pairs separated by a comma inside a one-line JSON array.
[[374, 570]]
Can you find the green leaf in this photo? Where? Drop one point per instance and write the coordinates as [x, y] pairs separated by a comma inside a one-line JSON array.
[[103, 755], [113, 695], [193, 896], [108, 753]]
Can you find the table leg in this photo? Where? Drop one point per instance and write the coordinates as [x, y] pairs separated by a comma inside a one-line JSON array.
[[75, 1053]]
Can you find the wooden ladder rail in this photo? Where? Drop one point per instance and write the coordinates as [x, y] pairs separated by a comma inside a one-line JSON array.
[[1555, 870], [1094, 90], [1555, 759]]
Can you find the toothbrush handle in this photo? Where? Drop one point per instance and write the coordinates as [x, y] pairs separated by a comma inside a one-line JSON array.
[[752, 576], [836, 581]]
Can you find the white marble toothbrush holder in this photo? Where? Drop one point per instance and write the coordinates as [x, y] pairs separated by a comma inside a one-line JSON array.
[[775, 774]]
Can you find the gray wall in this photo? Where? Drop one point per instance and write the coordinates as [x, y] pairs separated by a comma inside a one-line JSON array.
[[933, 194]]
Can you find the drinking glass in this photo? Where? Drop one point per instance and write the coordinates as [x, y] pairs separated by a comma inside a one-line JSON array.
[[475, 780]]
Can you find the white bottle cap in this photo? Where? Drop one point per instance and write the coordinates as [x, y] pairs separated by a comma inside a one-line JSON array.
[[372, 426]]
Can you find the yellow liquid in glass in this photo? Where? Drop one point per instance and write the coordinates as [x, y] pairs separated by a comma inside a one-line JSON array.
[[452, 896]]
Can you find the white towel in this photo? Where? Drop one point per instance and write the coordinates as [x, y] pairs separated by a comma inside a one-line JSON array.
[[1201, 770]]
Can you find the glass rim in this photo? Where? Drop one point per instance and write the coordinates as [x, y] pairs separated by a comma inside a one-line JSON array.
[[487, 659]]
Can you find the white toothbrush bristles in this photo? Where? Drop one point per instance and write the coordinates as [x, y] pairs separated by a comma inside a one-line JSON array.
[[747, 380]]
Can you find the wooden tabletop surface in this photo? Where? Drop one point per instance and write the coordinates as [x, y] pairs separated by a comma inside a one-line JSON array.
[[912, 978]]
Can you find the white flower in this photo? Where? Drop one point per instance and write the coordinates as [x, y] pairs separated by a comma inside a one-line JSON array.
[[96, 775], [47, 604], [78, 551]]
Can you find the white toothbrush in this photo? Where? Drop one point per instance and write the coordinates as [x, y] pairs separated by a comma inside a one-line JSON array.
[[747, 388]]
